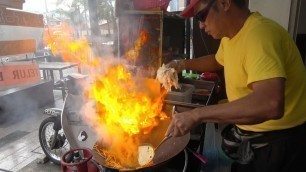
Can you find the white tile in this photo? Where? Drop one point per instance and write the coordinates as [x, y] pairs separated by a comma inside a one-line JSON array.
[[18, 154], [26, 162], [11, 161]]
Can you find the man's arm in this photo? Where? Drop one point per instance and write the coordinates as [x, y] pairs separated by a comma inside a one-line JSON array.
[[203, 64], [266, 102]]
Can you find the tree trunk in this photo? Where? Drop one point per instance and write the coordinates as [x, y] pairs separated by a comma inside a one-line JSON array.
[[108, 29], [96, 37], [115, 31]]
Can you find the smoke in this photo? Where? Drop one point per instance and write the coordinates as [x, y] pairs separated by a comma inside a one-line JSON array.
[[16, 106]]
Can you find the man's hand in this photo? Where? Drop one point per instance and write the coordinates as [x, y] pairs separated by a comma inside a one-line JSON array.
[[182, 123], [178, 65]]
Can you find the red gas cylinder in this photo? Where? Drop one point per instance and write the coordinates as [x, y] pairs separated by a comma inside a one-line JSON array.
[[78, 160]]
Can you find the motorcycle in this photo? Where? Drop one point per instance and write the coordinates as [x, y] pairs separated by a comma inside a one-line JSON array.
[[52, 137]]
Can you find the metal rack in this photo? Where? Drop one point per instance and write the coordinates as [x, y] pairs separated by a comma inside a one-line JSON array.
[[166, 33]]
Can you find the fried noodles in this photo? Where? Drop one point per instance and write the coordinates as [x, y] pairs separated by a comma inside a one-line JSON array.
[[110, 161]]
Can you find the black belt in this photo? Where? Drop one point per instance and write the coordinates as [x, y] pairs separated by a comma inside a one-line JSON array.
[[274, 136]]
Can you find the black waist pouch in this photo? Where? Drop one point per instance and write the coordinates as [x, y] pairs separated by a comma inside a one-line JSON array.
[[237, 145]]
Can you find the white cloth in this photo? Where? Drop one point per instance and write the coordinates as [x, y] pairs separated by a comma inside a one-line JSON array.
[[167, 77]]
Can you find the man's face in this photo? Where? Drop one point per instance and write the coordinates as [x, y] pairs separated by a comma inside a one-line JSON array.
[[209, 18]]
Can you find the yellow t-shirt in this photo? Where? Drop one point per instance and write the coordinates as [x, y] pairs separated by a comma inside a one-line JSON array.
[[262, 49]]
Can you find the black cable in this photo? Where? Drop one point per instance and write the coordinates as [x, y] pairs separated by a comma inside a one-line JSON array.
[[204, 42]]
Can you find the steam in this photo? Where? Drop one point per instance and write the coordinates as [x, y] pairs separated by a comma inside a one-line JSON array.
[[17, 106]]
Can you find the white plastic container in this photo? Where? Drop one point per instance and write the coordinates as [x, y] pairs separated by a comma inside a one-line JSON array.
[[181, 95]]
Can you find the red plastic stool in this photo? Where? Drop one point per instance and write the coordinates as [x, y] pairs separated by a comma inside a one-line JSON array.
[[78, 164]]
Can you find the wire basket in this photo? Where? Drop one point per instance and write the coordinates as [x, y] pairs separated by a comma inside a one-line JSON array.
[[149, 4]]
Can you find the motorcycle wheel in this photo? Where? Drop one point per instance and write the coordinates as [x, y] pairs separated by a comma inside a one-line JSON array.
[[46, 135]]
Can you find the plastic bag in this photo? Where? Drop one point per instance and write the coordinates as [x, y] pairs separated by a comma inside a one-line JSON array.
[[217, 160]]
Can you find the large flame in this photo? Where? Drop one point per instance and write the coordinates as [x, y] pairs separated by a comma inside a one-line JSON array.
[[122, 108], [60, 39], [133, 53], [122, 104], [126, 109]]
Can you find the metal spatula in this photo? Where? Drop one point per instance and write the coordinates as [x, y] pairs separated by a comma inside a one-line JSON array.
[[168, 136], [164, 139]]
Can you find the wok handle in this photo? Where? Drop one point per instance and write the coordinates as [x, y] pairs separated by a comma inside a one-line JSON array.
[[198, 156]]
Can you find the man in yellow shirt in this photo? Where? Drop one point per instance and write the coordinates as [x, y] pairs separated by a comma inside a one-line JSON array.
[[265, 84]]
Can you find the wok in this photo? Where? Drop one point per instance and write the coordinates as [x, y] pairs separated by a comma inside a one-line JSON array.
[[167, 150], [164, 152]]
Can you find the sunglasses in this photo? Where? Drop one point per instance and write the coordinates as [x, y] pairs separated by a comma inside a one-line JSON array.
[[202, 15]]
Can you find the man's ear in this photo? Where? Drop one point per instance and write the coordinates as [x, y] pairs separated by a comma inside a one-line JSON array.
[[225, 4]]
